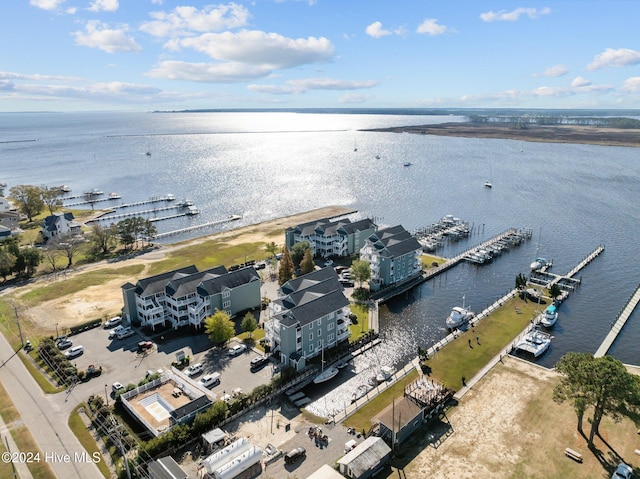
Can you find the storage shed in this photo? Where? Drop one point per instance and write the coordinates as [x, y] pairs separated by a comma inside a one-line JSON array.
[[366, 459]]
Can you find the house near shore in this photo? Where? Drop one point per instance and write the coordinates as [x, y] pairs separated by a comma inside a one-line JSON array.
[[394, 254], [187, 296], [331, 237], [60, 224], [310, 314]]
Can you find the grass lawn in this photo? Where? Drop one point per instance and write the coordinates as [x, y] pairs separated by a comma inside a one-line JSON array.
[[76, 424], [428, 260], [458, 359], [358, 330]]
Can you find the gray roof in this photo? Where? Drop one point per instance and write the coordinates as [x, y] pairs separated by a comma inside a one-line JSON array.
[[310, 297], [49, 223], [181, 286], [157, 283], [326, 227], [394, 241], [366, 456], [232, 279], [166, 468]]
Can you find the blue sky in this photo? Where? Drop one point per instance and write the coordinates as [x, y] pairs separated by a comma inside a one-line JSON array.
[[66, 55]]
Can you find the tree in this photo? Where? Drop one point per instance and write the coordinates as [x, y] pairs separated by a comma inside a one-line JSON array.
[[249, 323], [271, 248], [360, 271], [603, 384], [521, 281], [7, 262], [31, 259], [29, 199], [103, 238], [219, 327], [285, 273], [68, 245], [51, 198], [307, 265], [149, 230], [298, 251], [126, 232], [555, 291]]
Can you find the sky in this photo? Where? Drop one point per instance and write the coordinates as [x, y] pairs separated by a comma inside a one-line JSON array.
[[143, 55]]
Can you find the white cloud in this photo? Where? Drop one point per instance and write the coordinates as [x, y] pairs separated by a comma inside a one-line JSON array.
[[554, 71], [631, 85], [303, 85], [104, 5], [260, 48], [99, 35], [375, 30], [514, 16], [46, 4], [228, 72], [184, 20], [430, 27], [615, 58], [580, 82]]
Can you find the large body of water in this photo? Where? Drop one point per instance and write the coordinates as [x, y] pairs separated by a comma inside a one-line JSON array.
[[266, 165]]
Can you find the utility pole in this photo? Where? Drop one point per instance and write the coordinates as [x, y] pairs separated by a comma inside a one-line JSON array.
[[18, 321]]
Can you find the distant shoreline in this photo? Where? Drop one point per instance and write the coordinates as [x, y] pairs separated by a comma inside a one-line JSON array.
[[548, 134]]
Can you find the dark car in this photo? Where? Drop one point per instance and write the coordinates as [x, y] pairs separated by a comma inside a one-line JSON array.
[[295, 454], [259, 362], [64, 344]]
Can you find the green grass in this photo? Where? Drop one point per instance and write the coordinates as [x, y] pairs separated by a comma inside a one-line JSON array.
[[496, 331], [358, 330], [42, 381], [76, 424], [428, 260], [78, 282], [5, 467], [256, 336], [361, 419]]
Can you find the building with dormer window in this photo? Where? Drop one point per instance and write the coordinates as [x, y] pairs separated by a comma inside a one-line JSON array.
[[187, 296], [311, 313], [394, 255], [60, 224]]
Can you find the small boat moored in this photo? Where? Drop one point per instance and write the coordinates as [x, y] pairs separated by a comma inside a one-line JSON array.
[[361, 391], [385, 374], [329, 373], [459, 315], [549, 317], [534, 342]]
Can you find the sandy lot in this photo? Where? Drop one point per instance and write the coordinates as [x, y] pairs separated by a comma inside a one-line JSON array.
[[106, 299]]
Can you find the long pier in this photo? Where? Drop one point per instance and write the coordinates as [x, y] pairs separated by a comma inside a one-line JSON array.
[[619, 324], [548, 279], [195, 227], [153, 199], [135, 213]]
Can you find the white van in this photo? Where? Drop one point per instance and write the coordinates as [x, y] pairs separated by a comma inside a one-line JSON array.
[[125, 333], [210, 380], [74, 351]]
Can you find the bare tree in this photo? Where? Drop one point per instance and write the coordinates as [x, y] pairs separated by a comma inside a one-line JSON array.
[[68, 245]]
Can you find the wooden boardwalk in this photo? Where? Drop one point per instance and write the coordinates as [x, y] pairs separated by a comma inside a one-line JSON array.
[[619, 324], [547, 279]]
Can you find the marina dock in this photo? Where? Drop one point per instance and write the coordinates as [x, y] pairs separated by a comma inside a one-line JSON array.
[[568, 281], [619, 324], [109, 216], [195, 227]]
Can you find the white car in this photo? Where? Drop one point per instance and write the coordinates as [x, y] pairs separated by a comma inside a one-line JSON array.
[[194, 369], [210, 380], [116, 387], [237, 349], [110, 323], [114, 332]]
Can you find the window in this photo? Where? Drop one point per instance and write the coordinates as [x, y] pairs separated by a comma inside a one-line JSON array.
[[311, 348], [226, 304], [319, 344], [319, 332], [330, 338], [226, 293], [310, 336], [331, 326]]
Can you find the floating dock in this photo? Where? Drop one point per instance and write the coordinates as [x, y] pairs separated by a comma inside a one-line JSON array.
[[109, 216], [619, 324], [567, 281], [195, 227]]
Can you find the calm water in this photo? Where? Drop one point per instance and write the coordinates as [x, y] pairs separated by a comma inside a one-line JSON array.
[[266, 165]]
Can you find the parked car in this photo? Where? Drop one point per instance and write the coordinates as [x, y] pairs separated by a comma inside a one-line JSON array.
[[114, 332], [125, 333], [237, 349], [116, 387], [623, 471], [347, 283], [110, 323], [210, 380], [194, 369], [145, 345], [74, 352], [260, 266], [64, 344], [259, 362], [295, 454]]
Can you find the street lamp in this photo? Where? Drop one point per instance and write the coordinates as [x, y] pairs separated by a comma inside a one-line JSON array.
[[105, 395], [57, 335]]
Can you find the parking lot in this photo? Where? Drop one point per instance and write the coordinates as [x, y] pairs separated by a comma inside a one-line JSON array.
[[122, 362]]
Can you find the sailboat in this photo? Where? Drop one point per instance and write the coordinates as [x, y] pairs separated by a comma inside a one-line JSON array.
[[148, 151], [355, 146], [540, 262], [325, 374]]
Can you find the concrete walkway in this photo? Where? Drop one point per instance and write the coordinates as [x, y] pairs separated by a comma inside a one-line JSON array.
[[45, 418], [5, 436]]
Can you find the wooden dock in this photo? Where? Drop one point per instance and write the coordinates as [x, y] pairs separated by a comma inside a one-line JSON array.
[[567, 281], [619, 323], [195, 227], [109, 217]]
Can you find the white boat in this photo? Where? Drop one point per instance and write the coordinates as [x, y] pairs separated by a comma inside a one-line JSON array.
[[192, 210], [534, 342], [487, 184], [385, 374], [539, 263], [329, 373], [459, 315], [114, 196], [549, 317], [185, 203], [361, 391], [170, 197]]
